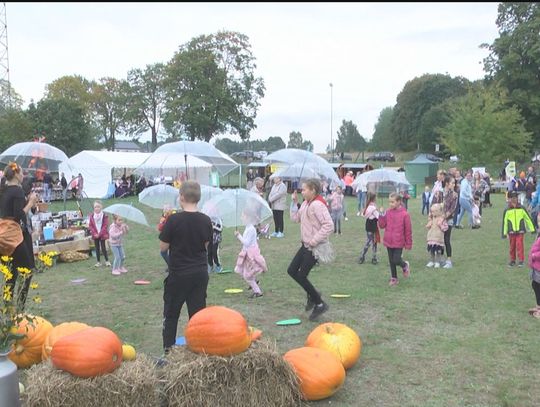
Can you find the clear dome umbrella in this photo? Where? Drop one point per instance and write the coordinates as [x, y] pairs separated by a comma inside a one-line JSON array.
[[128, 212], [375, 179], [34, 155], [162, 195]]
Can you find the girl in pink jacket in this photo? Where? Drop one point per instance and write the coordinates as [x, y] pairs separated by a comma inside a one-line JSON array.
[[98, 223], [397, 235], [315, 227], [117, 230], [534, 264]]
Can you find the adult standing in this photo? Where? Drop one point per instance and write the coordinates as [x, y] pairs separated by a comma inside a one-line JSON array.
[[250, 177], [258, 186], [47, 186], [315, 227], [361, 191], [14, 205], [278, 202], [449, 199], [466, 200], [437, 190]]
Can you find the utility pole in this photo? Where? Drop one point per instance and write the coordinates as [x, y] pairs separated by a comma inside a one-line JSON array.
[[331, 124], [4, 60]]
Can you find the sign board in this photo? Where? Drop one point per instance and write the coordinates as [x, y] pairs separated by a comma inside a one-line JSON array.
[[511, 169]]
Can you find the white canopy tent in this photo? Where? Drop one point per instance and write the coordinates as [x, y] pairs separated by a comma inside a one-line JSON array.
[[97, 168], [173, 165]]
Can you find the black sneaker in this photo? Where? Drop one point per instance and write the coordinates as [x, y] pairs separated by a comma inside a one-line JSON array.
[[512, 263], [318, 310], [520, 264], [361, 260], [256, 295], [374, 260], [310, 303]]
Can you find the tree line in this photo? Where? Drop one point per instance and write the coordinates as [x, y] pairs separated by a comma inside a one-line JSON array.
[[209, 88]]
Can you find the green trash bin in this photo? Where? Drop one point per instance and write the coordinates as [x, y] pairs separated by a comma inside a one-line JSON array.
[[412, 191]]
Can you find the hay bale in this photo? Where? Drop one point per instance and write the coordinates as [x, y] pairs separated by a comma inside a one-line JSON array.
[[257, 377], [70, 256], [132, 384]]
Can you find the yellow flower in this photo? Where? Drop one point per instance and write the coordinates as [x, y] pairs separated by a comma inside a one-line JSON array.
[[47, 261], [52, 254], [6, 259], [37, 300], [7, 293], [33, 286], [23, 270]]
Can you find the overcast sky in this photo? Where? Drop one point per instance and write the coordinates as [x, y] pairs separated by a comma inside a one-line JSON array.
[[368, 51]]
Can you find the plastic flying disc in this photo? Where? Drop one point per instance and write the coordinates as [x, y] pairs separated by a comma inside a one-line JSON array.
[[224, 271], [78, 280], [293, 321], [141, 282], [233, 290], [340, 295], [180, 341]]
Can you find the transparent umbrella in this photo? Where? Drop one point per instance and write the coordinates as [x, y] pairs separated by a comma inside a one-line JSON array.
[[128, 212], [295, 172], [33, 155], [199, 149], [157, 196], [375, 179], [237, 207]]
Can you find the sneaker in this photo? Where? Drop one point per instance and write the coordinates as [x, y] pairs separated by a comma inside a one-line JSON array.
[[123, 270], [346, 218], [256, 295], [437, 265], [406, 270], [512, 263], [310, 303], [520, 264], [393, 281], [430, 264], [108, 263], [447, 265], [374, 260], [116, 272], [358, 213], [318, 310], [98, 264], [218, 269], [280, 234], [274, 234], [361, 260]]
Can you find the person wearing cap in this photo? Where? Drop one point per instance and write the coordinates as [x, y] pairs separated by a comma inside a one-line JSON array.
[[516, 222]]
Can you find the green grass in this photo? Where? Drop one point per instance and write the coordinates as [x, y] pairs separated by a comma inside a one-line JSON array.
[[458, 337]]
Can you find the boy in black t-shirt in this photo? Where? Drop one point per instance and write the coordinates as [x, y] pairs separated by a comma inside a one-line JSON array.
[[186, 235]]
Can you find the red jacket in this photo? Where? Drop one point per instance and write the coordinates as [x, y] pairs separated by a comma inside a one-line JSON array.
[[398, 229], [102, 234]]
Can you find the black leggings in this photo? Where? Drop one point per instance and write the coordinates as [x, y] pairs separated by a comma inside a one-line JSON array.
[[213, 256], [447, 245], [394, 256], [299, 269], [97, 244], [278, 220], [536, 289]]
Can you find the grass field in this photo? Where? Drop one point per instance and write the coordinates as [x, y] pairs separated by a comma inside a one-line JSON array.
[[456, 337]]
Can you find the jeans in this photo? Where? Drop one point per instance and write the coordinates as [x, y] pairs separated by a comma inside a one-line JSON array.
[[119, 256], [47, 193], [465, 205], [362, 195]]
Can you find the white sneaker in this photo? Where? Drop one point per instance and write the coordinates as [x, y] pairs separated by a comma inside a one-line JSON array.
[[447, 265], [346, 218], [437, 265], [430, 264], [357, 213]]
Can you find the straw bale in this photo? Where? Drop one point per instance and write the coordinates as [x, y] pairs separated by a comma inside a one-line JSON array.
[[132, 384], [257, 377], [69, 256]]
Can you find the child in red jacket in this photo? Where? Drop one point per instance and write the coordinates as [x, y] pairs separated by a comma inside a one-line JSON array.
[[98, 223], [397, 235]]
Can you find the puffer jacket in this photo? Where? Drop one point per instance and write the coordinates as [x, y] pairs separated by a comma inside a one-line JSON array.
[[397, 228], [516, 220], [534, 255], [278, 197]]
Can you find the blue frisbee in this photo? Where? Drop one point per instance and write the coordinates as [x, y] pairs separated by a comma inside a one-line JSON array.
[[180, 341]]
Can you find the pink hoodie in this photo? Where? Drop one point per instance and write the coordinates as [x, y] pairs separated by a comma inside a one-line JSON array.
[[534, 255], [398, 229], [316, 225]]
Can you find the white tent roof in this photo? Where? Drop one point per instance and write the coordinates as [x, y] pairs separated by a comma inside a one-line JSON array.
[[96, 168]]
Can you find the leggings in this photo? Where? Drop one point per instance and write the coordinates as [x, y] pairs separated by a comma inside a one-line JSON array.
[[370, 242], [213, 255], [299, 269], [278, 220], [98, 243], [536, 289], [394, 256], [447, 244]]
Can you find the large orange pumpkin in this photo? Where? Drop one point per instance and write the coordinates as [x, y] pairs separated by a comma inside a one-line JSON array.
[[217, 330], [321, 374], [339, 339], [88, 353], [27, 351], [59, 331]]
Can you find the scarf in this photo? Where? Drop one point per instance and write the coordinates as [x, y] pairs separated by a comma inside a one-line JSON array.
[[321, 199]]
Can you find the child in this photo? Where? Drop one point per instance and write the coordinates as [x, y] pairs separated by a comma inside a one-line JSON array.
[[477, 217], [436, 226], [405, 198], [250, 262], [336, 208], [534, 264], [516, 221], [371, 214], [315, 227], [185, 235], [398, 235], [116, 233], [98, 223], [426, 197], [213, 246]]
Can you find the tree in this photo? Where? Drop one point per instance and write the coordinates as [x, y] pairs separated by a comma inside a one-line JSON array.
[[9, 99], [15, 126], [74, 88], [482, 129], [146, 100], [296, 141], [211, 87], [514, 59], [382, 136], [62, 122], [349, 139], [417, 97]]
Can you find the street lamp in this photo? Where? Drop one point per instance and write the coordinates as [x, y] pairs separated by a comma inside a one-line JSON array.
[[331, 117]]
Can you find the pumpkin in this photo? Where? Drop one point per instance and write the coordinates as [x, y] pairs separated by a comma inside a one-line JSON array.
[[255, 334], [339, 339], [88, 353], [321, 373], [59, 331], [217, 330], [128, 352], [27, 351]]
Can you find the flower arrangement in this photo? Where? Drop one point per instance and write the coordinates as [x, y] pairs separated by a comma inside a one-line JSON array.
[[11, 302]]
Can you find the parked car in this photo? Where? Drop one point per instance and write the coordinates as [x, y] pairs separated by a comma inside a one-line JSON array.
[[431, 157], [454, 158], [382, 156], [260, 154], [243, 154]]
